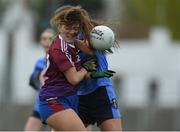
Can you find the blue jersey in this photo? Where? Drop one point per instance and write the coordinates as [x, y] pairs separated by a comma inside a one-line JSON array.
[[34, 78], [90, 85]]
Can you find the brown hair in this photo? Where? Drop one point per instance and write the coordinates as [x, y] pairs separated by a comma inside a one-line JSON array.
[[67, 15]]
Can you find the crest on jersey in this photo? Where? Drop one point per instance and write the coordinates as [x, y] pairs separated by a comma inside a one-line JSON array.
[[114, 103]]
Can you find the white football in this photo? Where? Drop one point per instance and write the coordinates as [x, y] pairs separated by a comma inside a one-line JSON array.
[[102, 38]]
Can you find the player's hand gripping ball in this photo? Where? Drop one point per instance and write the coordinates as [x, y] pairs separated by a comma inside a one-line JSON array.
[[102, 38]]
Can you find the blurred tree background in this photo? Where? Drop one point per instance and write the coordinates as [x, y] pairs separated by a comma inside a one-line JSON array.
[[138, 16]]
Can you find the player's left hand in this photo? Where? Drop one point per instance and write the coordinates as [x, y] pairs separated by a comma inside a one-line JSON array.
[[96, 74]]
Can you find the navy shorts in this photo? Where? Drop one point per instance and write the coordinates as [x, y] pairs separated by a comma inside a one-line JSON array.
[[52, 105], [35, 114], [98, 106]]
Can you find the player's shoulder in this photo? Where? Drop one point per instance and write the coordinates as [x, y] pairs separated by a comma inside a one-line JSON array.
[[59, 43], [55, 42]]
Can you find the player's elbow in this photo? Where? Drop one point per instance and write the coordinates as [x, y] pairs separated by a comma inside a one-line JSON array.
[[73, 80]]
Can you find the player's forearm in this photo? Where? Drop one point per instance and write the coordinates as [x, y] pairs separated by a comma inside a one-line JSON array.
[[79, 76], [74, 77]]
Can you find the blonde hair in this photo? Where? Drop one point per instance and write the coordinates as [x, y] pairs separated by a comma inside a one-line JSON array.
[[49, 30], [67, 15]]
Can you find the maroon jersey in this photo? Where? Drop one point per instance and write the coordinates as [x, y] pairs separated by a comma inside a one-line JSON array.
[[62, 56]]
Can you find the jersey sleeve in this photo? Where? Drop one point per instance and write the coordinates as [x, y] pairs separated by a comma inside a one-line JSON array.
[[61, 59], [34, 78]]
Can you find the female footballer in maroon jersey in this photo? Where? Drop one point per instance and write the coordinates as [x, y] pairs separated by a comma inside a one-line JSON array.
[[58, 96]]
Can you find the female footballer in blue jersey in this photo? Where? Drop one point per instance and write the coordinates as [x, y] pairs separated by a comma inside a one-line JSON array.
[[34, 122], [58, 96], [97, 98]]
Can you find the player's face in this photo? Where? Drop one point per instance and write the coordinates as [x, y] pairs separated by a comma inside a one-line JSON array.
[[69, 32], [45, 40]]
